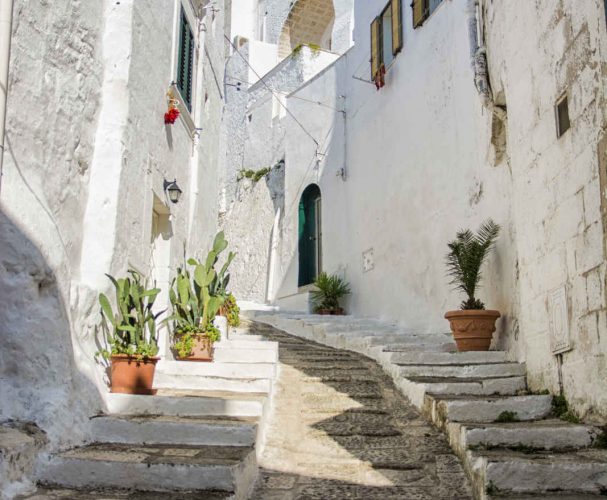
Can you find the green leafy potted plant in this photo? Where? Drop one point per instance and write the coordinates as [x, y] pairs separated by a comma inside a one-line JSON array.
[[329, 288], [196, 298], [472, 325], [132, 339]]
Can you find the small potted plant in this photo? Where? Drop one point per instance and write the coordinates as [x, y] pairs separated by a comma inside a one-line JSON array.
[[196, 298], [329, 289], [472, 325], [231, 311], [133, 341]]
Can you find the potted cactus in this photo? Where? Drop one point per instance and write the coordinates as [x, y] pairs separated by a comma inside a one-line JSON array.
[[131, 334], [472, 326], [329, 289], [196, 297]]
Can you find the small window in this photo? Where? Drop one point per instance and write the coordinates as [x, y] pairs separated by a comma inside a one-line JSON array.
[[422, 9], [562, 116], [386, 37], [185, 61]]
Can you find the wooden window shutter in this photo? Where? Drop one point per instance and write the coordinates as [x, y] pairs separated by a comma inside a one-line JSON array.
[[397, 26], [375, 50], [420, 12], [185, 63]]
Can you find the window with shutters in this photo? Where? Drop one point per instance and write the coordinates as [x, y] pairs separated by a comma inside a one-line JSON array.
[[422, 9], [386, 38], [185, 60]]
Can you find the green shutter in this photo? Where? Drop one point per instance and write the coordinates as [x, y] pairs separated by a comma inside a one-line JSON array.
[[185, 63], [397, 26], [420, 12], [375, 47]]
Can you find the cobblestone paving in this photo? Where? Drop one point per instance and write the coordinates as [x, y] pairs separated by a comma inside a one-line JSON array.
[[340, 429]]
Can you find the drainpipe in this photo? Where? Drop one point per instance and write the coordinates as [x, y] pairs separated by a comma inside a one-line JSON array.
[[478, 60], [6, 26]]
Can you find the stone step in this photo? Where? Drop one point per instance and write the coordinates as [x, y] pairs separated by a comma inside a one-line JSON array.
[[464, 371], [245, 341], [188, 403], [550, 434], [447, 346], [444, 409], [156, 468], [447, 358], [241, 370], [444, 386], [504, 472], [153, 429], [58, 493], [247, 355], [209, 383]]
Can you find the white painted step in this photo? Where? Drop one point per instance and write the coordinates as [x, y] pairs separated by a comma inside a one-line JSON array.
[[447, 358], [504, 386], [246, 342], [541, 435], [248, 355], [187, 404], [217, 369], [464, 371], [507, 473], [447, 346], [196, 431], [154, 468], [197, 382], [468, 409]]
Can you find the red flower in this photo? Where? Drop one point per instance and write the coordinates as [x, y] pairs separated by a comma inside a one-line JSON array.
[[380, 79], [171, 116]]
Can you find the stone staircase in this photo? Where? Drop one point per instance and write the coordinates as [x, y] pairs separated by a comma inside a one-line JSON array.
[[198, 437], [509, 442]]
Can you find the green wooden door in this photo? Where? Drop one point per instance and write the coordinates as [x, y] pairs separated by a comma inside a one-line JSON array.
[[310, 251]]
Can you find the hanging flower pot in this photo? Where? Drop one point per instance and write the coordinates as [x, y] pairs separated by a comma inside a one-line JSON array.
[[170, 117]]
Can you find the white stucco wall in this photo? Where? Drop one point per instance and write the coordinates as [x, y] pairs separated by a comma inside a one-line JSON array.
[[88, 154], [558, 184], [416, 173]]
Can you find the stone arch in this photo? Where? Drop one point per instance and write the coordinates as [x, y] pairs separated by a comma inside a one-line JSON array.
[[309, 21]]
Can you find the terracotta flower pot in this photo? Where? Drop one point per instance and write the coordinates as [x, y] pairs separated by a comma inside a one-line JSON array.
[[132, 376], [202, 349], [472, 329]]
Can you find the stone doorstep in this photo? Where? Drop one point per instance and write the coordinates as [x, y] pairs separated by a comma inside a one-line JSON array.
[[464, 371], [445, 409], [196, 431], [155, 468], [50, 493], [500, 472], [551, 434], [447, 358], [265, 370], [210, 383], [188, 403]]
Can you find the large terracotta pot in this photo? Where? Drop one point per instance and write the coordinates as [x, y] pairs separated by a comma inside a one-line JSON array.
[[202, 349], [472, 329], [132, 376]]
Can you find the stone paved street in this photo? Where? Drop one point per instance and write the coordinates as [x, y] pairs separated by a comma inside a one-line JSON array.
[[340, 429]]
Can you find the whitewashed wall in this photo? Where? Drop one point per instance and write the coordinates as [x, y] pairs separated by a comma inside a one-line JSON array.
[[88, 150], [558, 184]]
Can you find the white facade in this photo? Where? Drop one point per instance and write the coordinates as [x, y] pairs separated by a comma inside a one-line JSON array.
[[83, 186], [402, 169]]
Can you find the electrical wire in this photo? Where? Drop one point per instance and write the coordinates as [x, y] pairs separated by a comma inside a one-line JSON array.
[[272, 91]]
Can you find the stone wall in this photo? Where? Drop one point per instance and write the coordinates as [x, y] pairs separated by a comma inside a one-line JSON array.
[[88, 153], [557, 190]]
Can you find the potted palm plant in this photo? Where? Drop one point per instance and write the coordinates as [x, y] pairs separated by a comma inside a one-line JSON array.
[[132, 338], [472, 325], [329, 289], [196, 298]]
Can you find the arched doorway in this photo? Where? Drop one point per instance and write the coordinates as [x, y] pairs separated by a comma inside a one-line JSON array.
[[310, 235]]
